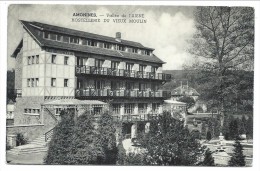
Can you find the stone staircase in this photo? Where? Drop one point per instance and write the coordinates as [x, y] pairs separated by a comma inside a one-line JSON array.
[[36, 146]]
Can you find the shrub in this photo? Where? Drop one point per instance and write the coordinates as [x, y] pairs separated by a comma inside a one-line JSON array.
[[20, 139]]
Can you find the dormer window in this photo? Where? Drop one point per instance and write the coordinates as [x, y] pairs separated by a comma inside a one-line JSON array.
[[147, 52], [74, 40], [53, 36], [135, 50], [121, 48], [93, 43], [66, 39], [59, 37], [106, 46], [46, 35]]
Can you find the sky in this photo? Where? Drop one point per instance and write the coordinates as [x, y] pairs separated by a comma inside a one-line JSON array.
[[167, 28]]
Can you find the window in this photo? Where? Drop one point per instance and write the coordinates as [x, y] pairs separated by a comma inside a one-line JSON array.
[[79, 83], [74, 40], [142, 86], [154, 87], [116, 109], [66, 39], [46, 35], [121, 48], [130, 85], [129, 108], [135, 50], [53, 59], [107, 46], [115, 85], [29, 60], [155, 107], [114, 65], [66, 82], [37, 59], [154, 69], [28, 82], [32, 59], [93, 43], [97, 109], [142, 108], [53, 36], [84, 42], [147, 52], [59, 37], [36, 82], [66, 59], [53, 82], [99, 84], [58, 111], [32, 82], [142, 68], [129, 66], [99, 63]]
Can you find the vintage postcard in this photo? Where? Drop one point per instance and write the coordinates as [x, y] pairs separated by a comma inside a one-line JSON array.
[[126, 85]]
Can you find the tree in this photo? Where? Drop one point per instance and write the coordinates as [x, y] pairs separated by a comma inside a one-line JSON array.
[[60, 144], [203, 129], [188, 100], [106, 131], [121, 153], [170, 143], [86, 145], [134, 159], [242, 125], [238, 158], [233, 129], [208, 136], [208, 159], [225, 128], [249, 127], [223, 42]]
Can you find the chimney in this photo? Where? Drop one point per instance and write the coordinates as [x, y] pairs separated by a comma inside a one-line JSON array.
[[118, 35]]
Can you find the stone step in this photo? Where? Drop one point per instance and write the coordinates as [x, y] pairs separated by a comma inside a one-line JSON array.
[[27, 149]]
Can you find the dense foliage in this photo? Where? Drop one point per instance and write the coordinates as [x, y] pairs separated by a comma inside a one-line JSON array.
[[20, 139], [86, 145], [208, 159], [60, 144], [170, 143], [82, 140], [234, 127], [106, 135], [238, 158], [223, 47]]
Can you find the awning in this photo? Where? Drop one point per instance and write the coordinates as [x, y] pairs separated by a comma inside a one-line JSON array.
[[73, 102], [174, 102]]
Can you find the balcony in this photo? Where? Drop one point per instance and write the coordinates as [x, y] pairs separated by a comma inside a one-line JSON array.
[[86, 93], [92, 70], [132, 118]]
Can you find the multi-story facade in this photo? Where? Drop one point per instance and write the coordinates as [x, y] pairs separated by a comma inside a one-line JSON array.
[[58, 63]]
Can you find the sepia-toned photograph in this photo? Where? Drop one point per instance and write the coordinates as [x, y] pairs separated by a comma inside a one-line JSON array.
[[128, 85]]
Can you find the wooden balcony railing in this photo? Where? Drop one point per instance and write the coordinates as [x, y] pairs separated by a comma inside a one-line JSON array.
[[89, 92], [92, 70]]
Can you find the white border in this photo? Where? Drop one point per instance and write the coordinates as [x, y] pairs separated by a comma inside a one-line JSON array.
[[3, 66]]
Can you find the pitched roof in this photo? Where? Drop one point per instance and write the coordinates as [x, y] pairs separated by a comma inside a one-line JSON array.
[[184, 90], [32, 27]]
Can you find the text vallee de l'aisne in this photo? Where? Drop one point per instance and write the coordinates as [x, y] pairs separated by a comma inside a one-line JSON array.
[[108, 15]]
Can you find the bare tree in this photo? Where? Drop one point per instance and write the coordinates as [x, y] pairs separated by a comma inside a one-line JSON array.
[[223, 42]]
